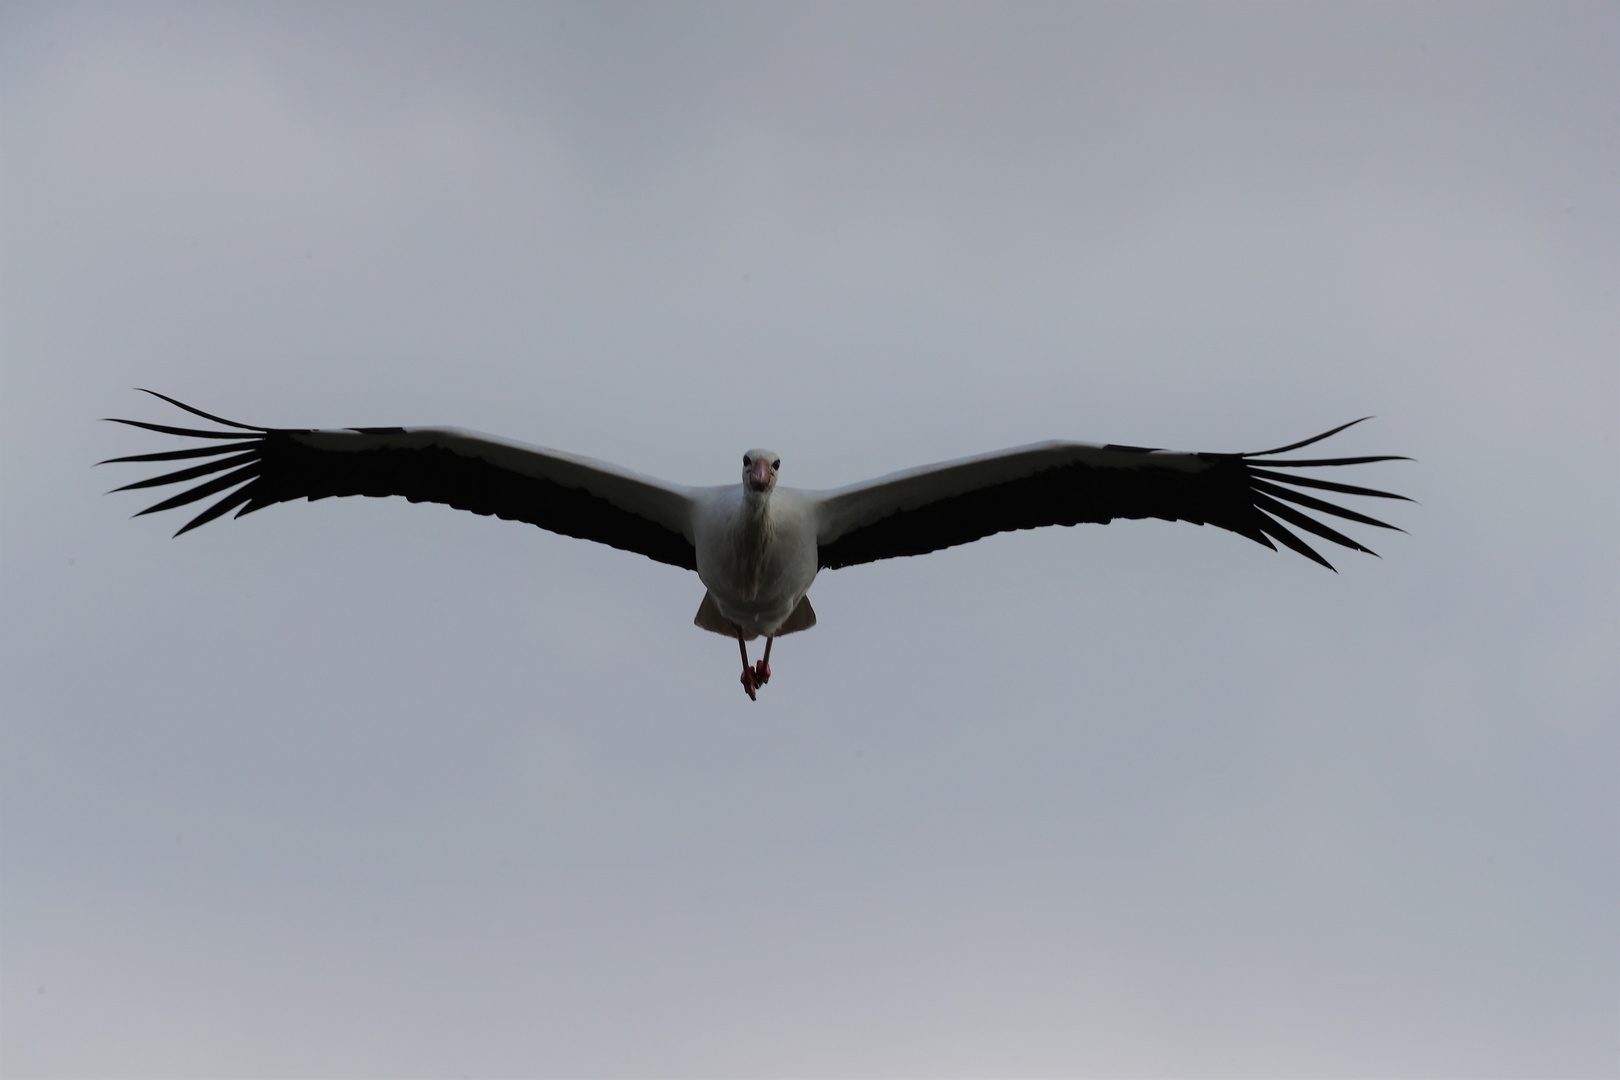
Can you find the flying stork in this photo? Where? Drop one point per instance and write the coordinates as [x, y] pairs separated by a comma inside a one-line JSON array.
[[757, 546]]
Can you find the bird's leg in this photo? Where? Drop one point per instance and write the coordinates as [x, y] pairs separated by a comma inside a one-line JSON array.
[[748, 680], [762, 670]]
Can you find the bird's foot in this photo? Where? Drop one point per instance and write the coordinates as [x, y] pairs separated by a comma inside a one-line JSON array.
[[749, 683], [762, 673]]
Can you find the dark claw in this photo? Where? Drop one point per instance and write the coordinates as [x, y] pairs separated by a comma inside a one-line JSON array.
[[762, 673], [748, 683]]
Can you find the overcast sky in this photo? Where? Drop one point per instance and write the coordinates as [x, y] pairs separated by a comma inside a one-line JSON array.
[[362, 788]]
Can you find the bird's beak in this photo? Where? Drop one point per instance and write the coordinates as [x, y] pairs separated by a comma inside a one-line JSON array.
[[759, 475]]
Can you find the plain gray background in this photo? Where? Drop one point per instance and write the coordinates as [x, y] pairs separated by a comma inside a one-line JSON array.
[[364, 788]]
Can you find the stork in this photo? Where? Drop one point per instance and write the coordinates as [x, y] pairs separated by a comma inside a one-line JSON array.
[[755, 545]]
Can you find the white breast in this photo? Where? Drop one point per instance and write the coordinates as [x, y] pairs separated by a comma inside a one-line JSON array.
[[756, 568]]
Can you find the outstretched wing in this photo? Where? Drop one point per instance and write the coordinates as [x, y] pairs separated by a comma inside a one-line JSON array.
[[1060, 483], [252, 467]]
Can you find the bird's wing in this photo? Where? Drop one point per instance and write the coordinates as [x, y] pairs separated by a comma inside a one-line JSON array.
[[1063, 483], [252, 467]]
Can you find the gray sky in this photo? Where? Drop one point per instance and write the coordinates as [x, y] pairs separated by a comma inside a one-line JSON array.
[[365, 788]]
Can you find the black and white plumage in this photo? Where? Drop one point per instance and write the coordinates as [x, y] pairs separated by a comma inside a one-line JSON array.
[[757, 547]]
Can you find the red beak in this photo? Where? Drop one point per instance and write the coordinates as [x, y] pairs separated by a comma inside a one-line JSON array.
[[759, 475]]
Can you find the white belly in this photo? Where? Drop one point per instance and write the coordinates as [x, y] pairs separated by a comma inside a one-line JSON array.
[[757, 572]]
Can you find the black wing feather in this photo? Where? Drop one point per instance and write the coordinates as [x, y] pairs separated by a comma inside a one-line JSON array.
[[1274, 450], [193, 433], [1325, 485], [176, 455], [1319, 505], [1272, 527], [202, 491], [1309, 524], [1314, 462], [280, 468], [191, 473], [235, 498], [199, 412], [1227, 494]]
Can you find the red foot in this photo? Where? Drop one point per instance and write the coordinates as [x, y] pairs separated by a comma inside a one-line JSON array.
[[762, 673], [749, 684]]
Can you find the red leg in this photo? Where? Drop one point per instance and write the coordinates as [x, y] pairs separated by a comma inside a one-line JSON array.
[[748, 681], [762, 670]]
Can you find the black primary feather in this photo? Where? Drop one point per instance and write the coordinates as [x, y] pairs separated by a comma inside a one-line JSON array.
[[272, 466], [1233, 494]]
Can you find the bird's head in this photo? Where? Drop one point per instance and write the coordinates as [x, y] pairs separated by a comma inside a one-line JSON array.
[[759, 471]]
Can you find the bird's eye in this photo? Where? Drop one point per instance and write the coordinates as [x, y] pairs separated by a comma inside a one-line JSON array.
[[747, 461], [777, 464]]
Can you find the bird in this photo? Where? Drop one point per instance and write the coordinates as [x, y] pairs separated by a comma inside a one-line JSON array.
[[755, 545]]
